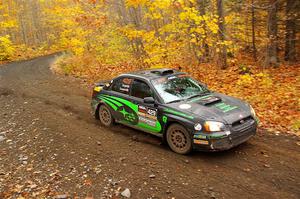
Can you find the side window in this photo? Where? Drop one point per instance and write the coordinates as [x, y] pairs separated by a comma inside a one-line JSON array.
[[140, 89], [121, 85]]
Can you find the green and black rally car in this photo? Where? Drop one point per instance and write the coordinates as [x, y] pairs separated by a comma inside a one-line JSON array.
[[174, 106]]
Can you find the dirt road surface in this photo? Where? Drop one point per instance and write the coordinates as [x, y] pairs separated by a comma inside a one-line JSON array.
[[51, 146]]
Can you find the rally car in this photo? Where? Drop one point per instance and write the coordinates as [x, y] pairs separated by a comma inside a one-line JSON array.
[[173, 105]]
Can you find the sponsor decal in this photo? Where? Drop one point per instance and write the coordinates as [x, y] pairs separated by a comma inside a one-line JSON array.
[[225, 107], [199, 136], [201, 142], [127, 81], [124, 89], [165, 119], [128, 115], [147, 115], [125, 85], [185, 106]]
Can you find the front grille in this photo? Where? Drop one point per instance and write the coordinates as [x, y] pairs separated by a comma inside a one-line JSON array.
[[238, 137], [241, 131], [243, 124]]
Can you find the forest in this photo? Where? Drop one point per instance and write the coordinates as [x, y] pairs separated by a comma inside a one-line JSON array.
[[245, 48]]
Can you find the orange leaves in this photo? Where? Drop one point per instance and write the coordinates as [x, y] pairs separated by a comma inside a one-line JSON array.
[[91, 21]]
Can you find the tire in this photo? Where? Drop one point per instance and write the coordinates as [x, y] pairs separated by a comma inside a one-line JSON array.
[[105, 116], [179, 139]]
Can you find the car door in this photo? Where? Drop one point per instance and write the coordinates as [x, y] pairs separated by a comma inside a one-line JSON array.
[[147, 112], [123, 110]]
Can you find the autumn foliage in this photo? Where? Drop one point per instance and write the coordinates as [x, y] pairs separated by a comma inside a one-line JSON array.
[[105, 38]]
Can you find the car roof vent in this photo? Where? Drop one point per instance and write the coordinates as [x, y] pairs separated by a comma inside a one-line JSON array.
[[163, 71]]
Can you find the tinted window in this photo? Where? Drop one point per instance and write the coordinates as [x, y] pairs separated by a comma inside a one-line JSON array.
[[121, 85], [140, 89]]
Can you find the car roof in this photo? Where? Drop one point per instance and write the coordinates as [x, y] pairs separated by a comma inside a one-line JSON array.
[[150, 74]]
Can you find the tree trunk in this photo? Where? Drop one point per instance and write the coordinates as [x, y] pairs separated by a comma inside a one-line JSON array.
[[272, 47], [222, 58], [253, 31], [205, 48], [290, 30]]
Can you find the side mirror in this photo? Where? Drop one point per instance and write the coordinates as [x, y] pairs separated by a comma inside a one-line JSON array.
[[149, 100]]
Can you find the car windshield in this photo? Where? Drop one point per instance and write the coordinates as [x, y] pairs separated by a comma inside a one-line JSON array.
[[178, 88]]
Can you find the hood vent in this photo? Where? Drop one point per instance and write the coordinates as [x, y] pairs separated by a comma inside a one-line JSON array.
[[209, 100]]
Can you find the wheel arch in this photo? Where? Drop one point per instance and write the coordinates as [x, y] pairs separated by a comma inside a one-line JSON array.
[[96, 114], [180, 121]]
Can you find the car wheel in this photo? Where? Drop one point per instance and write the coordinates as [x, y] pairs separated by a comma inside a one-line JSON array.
[[105, 116], [179, 139]]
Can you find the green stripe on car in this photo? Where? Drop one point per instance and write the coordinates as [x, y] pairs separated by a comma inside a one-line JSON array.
[[120, 102], [178, 113], [110, 104]]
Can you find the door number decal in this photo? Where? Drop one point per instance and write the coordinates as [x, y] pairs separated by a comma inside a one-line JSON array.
[[147, 115]]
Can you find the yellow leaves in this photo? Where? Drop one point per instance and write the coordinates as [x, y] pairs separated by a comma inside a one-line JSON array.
[[8, 24], [200, 30], [111, 40], [245, 80], [212, 26], [169, 28], [149, 36], [190, 14], [6, 48], [156, 16], [158, 9], [161, 4], [260, 80], [193, 40], [296, 126], [132, 33], [8, 17], [73, 40], [135, 3]]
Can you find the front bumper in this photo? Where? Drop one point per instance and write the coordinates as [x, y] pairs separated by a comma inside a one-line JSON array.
[[223, 140]]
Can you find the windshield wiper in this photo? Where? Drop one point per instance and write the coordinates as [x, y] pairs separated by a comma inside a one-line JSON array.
[[174, 101]]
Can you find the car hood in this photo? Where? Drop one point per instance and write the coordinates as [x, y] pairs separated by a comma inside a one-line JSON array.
[[214, 106]]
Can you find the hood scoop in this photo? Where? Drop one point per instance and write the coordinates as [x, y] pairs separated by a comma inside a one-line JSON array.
[[209, 100]]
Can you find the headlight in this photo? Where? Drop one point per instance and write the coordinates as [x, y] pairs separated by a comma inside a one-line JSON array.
[[211, 126], [252, 111]]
